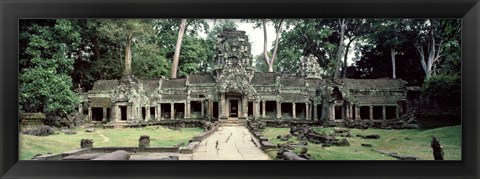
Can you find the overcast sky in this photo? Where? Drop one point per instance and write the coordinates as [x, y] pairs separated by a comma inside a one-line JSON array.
[[255, 36]]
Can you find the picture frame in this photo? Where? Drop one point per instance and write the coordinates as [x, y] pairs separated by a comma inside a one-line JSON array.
[[12, 11]]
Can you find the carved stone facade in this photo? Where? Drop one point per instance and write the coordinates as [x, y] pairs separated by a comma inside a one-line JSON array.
[[234, 90]]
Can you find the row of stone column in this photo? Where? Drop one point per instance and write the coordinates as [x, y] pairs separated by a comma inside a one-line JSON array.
[[350, 109]]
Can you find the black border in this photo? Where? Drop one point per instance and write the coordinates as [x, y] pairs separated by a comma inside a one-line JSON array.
[[11, 11]]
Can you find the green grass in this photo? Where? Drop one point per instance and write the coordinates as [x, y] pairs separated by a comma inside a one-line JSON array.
[[60, 142], [390, 140]]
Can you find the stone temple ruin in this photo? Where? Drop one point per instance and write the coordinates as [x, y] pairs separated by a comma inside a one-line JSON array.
[[233, 90]]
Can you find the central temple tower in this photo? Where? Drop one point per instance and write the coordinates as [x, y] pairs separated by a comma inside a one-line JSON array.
[[233, 73]]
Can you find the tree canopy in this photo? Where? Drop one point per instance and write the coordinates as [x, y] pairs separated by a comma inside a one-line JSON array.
[[61, 56]]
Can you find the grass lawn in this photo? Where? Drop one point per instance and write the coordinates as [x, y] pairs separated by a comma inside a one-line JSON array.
[[417, 144], [60, 142]]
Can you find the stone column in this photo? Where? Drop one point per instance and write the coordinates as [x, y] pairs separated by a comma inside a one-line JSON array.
[[245, 107], [147, 113], [210, 108], [202, 109], [159, 112], [279, 110], [294, 113], [172, 111], [315, 112], [397, 112], [90, 113], [307, 111], [357, 112], [80, 108], [117, 113], [332, 112], [222, 106], [104, 117], [129, 112], [346, 112], [187, 109], [384, 112], [371, 112], [263, 108]]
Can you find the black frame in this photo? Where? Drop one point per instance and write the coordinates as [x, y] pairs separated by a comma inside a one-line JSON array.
[[11, 11]]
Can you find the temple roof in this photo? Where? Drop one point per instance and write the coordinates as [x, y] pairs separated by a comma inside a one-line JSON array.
[[294, 97], [174, 97], [368, 99], [263, 78], [292, 81], [150, 85], [174, 83], [373, 84], [104, 85], [201, 78]]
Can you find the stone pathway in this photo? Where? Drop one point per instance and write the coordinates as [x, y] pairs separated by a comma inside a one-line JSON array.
[[227, 143]]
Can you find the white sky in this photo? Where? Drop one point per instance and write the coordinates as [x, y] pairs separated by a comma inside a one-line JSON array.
[[255, 36]]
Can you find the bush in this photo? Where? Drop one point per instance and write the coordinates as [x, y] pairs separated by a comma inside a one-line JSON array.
[[444, 89]]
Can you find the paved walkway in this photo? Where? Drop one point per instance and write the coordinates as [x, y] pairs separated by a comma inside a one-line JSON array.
[[227, 143]]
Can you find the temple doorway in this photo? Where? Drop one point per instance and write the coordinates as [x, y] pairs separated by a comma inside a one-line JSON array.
[[233, 108]]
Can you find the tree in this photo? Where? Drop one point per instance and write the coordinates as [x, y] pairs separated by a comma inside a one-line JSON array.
[[278, 23], [46, 60], [433, 35], [125, 31], [343, 25], [176, 57]]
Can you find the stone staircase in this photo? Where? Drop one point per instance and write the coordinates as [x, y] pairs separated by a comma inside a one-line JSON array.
[[233, 122]]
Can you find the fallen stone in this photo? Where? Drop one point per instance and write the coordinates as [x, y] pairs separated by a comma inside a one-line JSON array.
[[367, 145], [117, 155], [90, 130], [266, 145], [86, 143], [40, 131], [372, 136], [291, 156], [342, 142], [69, 132], [83, 156]]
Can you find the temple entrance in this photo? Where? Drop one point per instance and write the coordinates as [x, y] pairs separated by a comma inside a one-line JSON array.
[[123, 113], [233, 108]]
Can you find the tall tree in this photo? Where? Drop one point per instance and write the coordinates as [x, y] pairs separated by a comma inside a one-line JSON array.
[[279, 25], [343, 25], [271, 59], [46, 61], [434, 34], [176, 56]]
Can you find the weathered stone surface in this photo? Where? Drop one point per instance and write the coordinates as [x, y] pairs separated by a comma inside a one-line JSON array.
[[86, 143], [90, 130], [40, 131], [69, 132], [89, 156], [291, 156], [437, 149], [144, 141], [342, 142], [117, 155]]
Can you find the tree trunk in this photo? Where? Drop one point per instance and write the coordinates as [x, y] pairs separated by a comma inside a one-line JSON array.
[[340, 48], [265, 52], [176, 56], [128, 56], [392, 55], [345, 57], [271, 60]]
